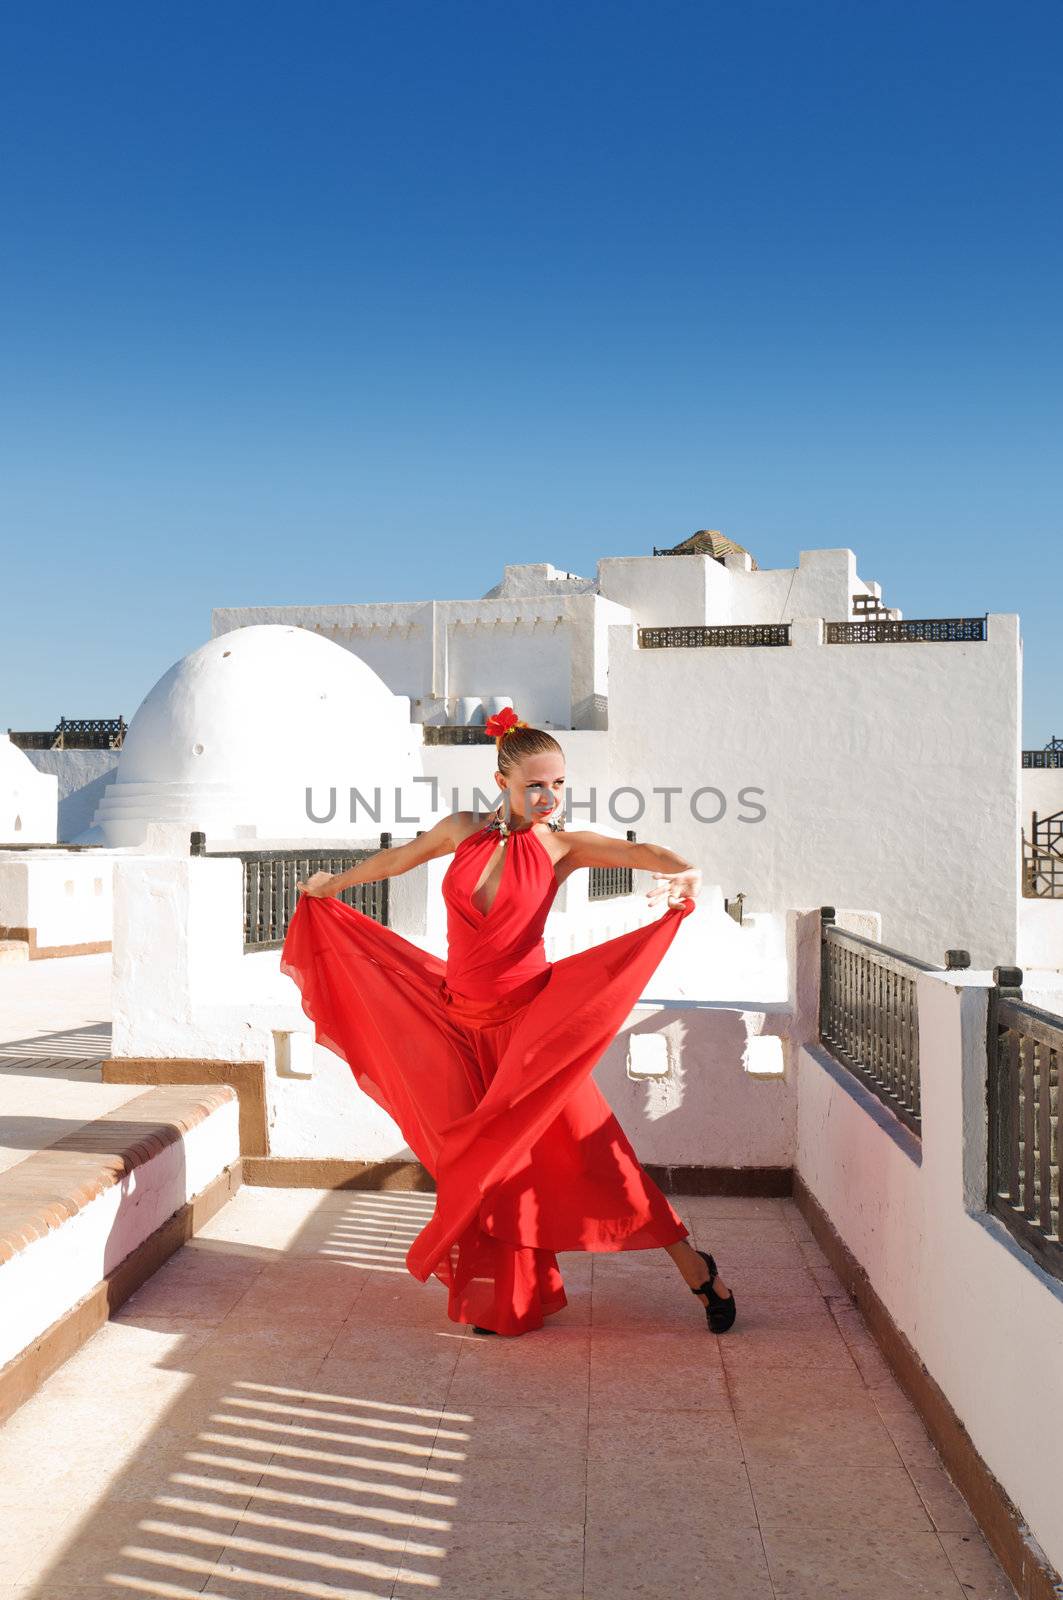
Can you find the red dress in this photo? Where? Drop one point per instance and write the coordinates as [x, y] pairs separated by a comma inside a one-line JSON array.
[[484, 1061]]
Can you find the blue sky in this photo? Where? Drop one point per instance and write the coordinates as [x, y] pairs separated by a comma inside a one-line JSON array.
[[333, 302]]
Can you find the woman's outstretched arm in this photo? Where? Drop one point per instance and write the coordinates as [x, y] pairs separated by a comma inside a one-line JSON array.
[[439, 840], [675, 877]]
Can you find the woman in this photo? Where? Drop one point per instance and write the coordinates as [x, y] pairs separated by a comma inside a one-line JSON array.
[[484, 1061]]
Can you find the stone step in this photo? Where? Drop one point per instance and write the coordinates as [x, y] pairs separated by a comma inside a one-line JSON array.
[[86, 1220], [12, 950]]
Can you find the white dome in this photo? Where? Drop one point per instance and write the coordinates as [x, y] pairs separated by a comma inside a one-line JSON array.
[[233, 735]]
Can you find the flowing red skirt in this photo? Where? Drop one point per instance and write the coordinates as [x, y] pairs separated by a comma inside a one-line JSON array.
[[495, 1098]]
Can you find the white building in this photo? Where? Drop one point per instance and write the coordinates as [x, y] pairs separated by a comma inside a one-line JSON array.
[[782, 728], [805, 770], [540, 636]]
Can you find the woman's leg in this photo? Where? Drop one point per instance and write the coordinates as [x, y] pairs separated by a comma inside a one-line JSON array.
[[693, 1268], [504, 1287]]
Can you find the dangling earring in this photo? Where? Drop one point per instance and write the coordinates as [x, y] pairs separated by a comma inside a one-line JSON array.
[[499, 822]]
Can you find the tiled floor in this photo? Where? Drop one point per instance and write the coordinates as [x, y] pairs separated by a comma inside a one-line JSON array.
[[283, 1411], [54, 1029]]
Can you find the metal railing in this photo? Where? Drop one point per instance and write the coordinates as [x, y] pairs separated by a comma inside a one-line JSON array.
[[697, 636], [1051, 756], [869, 1016], [605, 883], [919, 630], [269, 880], [1042, 858], [1047, 832], [1042, 873], [52, 844], [455, 733], [1024, 1047], [75, 733]]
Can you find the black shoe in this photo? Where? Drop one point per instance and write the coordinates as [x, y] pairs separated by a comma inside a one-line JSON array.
[[720, 1311], [477, 1329]]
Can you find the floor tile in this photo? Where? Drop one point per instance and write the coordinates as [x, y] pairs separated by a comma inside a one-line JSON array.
[[501, 1560], [288, 1413], [638, 1558], [849, 1561], [976, 1566]]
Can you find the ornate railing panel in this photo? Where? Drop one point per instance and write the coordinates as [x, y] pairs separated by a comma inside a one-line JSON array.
[[697, 636], [1023, 1053], [918, 630]]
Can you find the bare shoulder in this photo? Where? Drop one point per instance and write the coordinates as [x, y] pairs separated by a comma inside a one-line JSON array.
[[464, 823], [442, 838]]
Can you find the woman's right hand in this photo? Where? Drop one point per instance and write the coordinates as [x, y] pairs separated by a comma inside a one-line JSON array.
[[317, 886]]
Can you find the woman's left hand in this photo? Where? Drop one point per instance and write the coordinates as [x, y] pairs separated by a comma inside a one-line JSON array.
[[317, 886], [678, 886]]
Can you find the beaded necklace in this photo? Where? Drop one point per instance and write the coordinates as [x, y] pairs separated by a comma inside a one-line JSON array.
[[500, 826]]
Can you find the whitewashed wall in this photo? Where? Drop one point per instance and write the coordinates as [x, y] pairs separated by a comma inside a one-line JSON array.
[[880, 782], [393, 637], [1040, 946], [1040, 920], [969, 1299], [29, 799], [666, 591], [662, 591], [541, 637], [183, 987], [83, 776], [1042, 791], [714, 1106], [821, 585], [527, 658], [67, 898], [522, 579], [542, 648]]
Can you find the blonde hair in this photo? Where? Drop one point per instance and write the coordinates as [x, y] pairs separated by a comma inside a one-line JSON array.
[[515, 744], [519, 741]]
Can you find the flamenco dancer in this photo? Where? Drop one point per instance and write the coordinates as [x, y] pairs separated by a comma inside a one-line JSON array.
[[484, 1060]]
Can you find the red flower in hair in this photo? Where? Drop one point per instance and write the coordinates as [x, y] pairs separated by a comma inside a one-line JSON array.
[[502, 721]]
